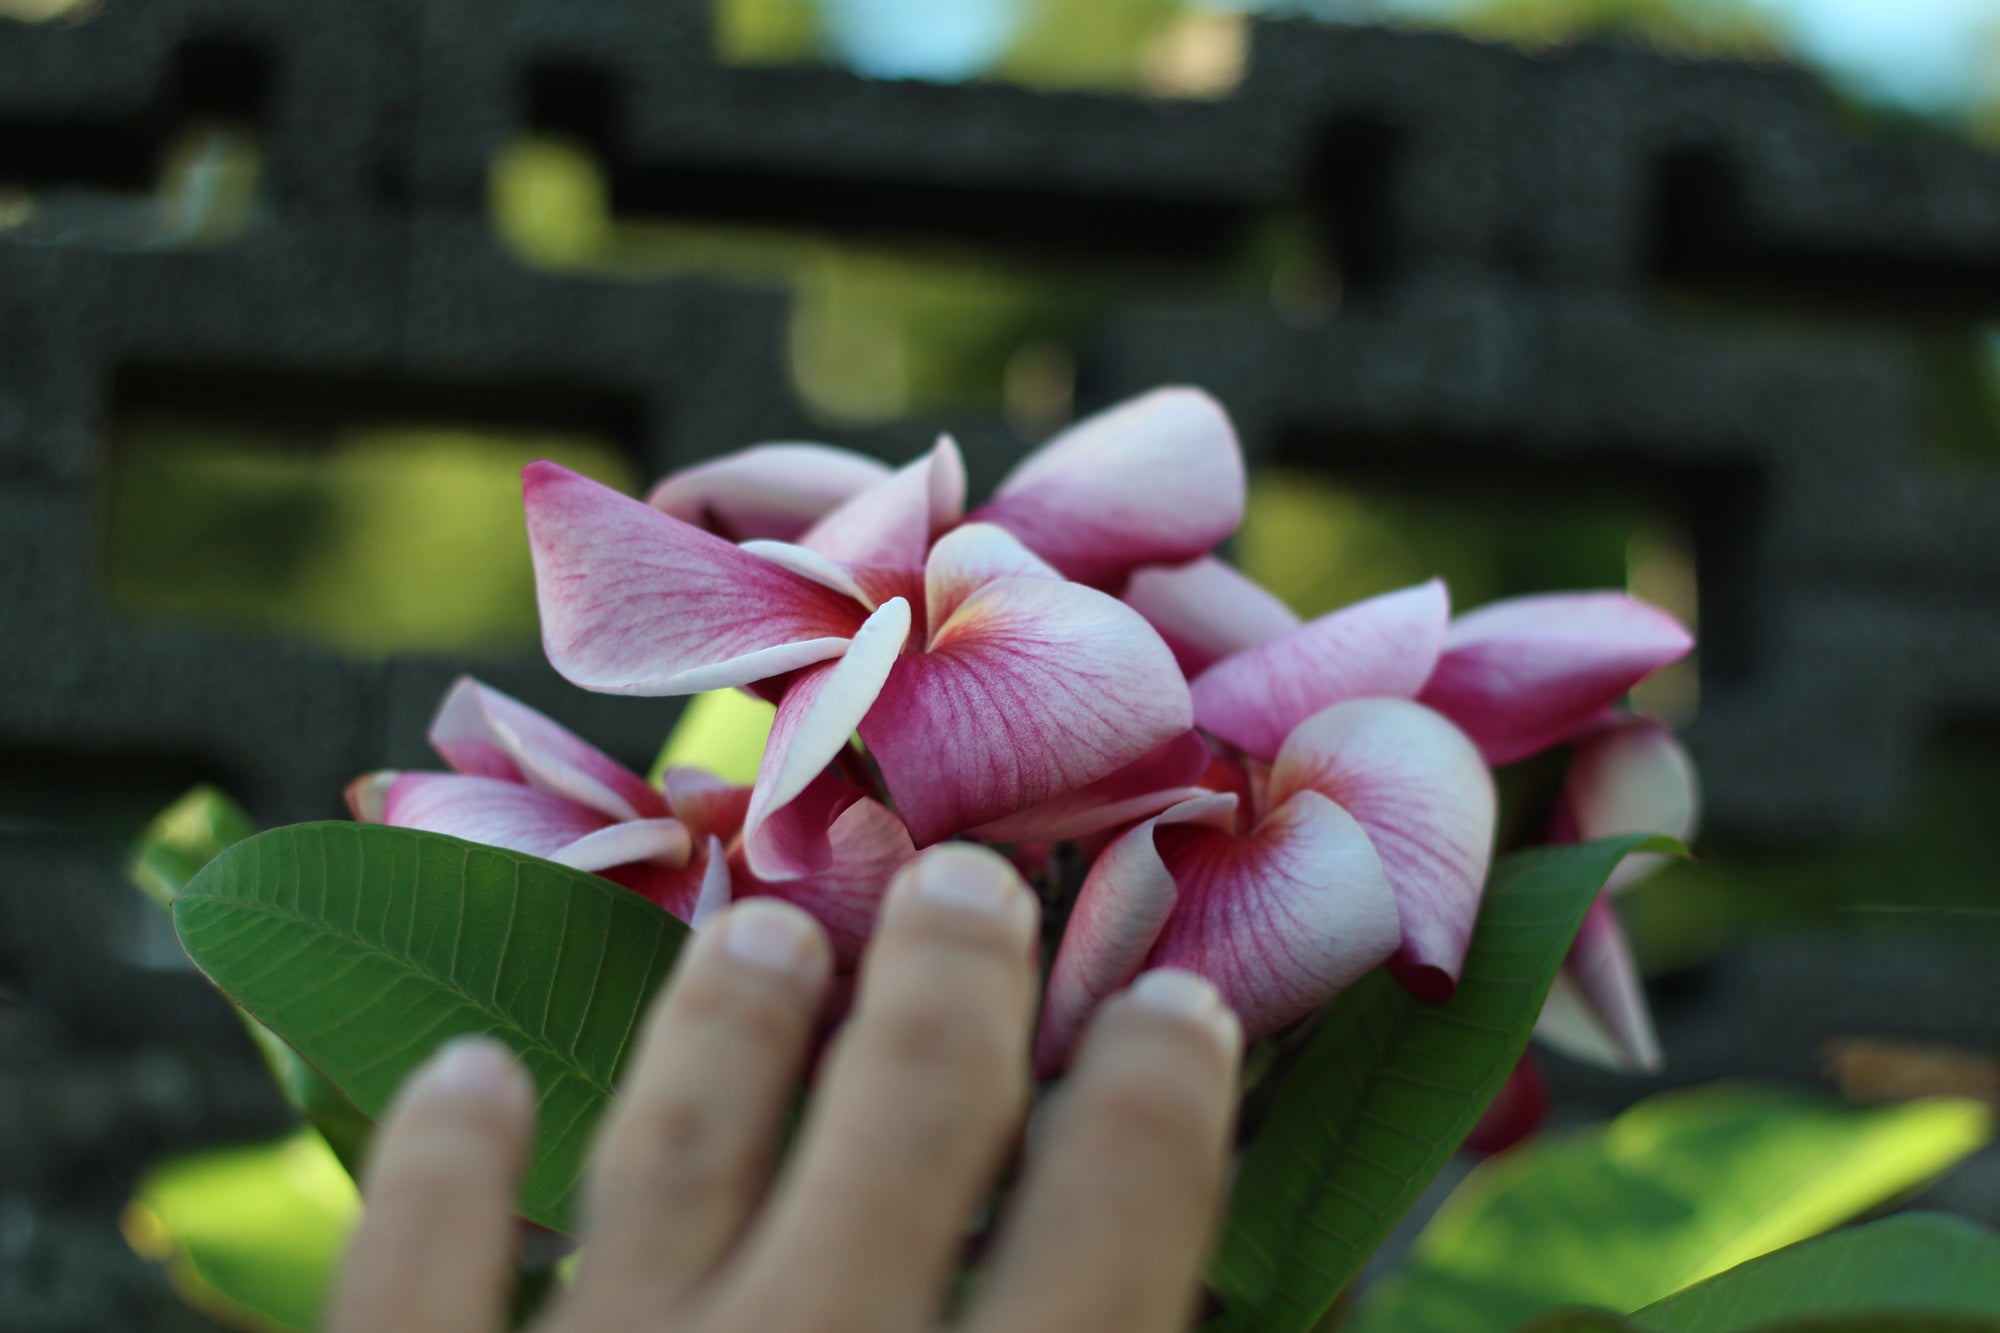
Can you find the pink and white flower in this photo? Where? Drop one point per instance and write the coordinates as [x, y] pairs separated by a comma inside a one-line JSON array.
[[1155, 480], [1284, 885], [523, 782], [982, 682], [1514, 677], [1626, 775]]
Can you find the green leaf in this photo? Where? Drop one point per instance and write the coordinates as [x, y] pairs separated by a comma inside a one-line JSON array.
[[1388, 1088], [1678, 1188], [1849, 1321], [250, 1236], [1915, 1262], [722, 731], [365, 947], [172, 850]]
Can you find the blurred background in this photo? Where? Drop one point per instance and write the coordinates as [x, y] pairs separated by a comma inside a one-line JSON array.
[[1695, 297]]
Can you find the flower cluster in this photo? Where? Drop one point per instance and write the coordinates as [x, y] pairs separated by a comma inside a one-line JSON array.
[[1279, 806]]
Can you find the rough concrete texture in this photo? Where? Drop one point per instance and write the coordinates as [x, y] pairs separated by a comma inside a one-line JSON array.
[[1517, 239]]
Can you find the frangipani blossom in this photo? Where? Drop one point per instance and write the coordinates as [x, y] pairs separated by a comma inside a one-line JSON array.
[[1281, 889], [1207, 610], [1515, 677], [1526, 673], [1155, 480], [982, 682], [523, 782], [1627, 775], [769, 492]]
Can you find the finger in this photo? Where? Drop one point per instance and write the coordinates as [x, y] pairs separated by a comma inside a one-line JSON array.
[[435, 1246], [923, 1092], [1124, 1183], [686, 1156]]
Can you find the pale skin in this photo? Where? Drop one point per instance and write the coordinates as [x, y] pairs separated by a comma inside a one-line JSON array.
[[917, 1110]]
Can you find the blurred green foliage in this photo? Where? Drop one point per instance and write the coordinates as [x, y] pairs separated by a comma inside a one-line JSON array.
[[722, 731], [375, 539], [171, 851], [250, 1236], [1913, 1262], [1679, 1188]]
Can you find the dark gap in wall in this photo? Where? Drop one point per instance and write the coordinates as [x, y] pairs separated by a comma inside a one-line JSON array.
[[1353, 180], [122, 154], [582, 103], [1701, 236], [302, 403], [107, 794]]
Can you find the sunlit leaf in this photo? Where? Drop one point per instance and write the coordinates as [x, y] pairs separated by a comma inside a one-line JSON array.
[[1918, 1261], [183, 838], [250, 1236], [722, 731], [1387, 1090], [1682, 1186], [365, 947]]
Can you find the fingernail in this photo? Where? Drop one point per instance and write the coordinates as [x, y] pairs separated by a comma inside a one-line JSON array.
[[475, 1067], [768, 933], [1171, 991], [969, 877]]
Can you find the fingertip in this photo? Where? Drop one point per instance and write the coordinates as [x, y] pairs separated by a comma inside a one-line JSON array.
[[963, 877], [775, 936], [476, 1069], [1191, 998]]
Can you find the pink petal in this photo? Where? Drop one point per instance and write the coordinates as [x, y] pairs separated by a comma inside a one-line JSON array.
[[1597, 1009], [771, 491], [866, 845], [483, 732], [717, 890], [1156, 480], [1030, 690], [815, 719], [967, 559], [1118, 916], [627, 842], [635, 602], [1281, 920], [1207, 611], [807, 564], [1524, 674], [1160, 778], [891, 522], [489, 811], [1386, 646], [693, 892], [1417, 785], [1631, 776]]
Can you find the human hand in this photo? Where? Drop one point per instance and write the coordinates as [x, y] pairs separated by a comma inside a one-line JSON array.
[[920, 1103]]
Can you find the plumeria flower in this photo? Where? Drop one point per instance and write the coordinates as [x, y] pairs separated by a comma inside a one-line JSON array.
[[1626, 775], [983, 682], [1515, 677], [1156, 480], [1281, 886], [523, 782]]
